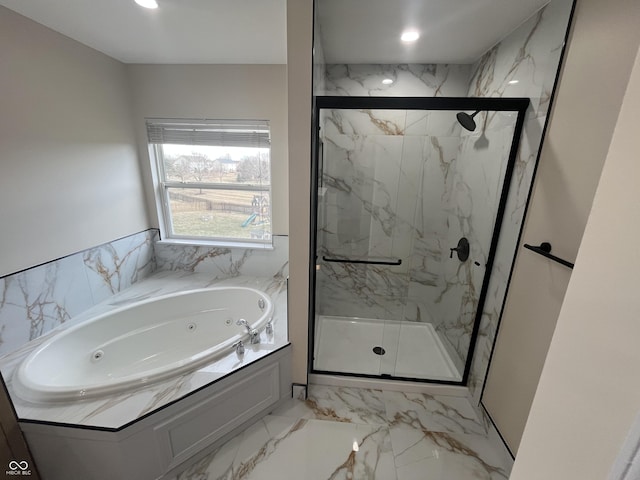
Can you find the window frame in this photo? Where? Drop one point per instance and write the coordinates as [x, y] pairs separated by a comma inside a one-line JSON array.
[[162, 199]]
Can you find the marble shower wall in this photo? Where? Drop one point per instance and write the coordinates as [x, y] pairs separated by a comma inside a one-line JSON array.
[[470, 205], [400, 168], [460, 174], [407, 185], [374, 176], [35, 301], [530, 55], [409, 80], [369, 160], [383, 183]]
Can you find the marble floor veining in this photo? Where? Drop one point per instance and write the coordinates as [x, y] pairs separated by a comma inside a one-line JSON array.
[[352, 434]]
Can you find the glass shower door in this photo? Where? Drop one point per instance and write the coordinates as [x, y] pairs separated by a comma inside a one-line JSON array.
[[401, 194], [361, 279]]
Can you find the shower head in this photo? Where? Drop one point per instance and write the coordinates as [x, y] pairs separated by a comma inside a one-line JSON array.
[[467, 121]]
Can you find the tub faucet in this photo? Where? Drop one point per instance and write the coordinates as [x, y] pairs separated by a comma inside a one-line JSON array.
[[239, 346], [254, 335]]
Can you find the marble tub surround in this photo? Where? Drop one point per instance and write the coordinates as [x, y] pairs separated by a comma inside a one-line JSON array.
[[117, 410], [117, 265], [226, 262], [349, 433], [37, 300]]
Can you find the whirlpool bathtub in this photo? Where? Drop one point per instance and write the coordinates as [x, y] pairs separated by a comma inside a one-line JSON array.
[[142, 343]]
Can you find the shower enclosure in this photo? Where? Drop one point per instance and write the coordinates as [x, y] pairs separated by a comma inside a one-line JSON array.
[[406, 210]]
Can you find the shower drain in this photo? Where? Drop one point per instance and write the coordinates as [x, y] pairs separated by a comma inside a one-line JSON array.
[[378, 350]]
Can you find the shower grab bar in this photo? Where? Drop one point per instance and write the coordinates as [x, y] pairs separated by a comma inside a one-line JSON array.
[[545, 250], [368, 262]]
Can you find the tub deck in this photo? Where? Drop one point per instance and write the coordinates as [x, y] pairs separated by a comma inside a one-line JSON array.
[[118, 410]]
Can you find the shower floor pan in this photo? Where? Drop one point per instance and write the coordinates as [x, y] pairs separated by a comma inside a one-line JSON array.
[[412, 349]]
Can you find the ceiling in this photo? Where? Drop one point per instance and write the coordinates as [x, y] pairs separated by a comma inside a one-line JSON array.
[[254, 31], [179, 31], [451, 31]]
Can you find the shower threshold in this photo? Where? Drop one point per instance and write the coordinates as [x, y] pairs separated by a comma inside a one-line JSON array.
[[411, 349]]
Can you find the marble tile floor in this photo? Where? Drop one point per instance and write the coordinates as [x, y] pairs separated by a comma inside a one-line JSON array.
[[352, 434]]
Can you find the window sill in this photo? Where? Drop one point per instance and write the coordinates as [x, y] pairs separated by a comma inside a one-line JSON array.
[[213, 243]]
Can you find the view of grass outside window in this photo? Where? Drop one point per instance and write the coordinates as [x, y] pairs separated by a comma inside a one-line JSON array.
[[214, 179]]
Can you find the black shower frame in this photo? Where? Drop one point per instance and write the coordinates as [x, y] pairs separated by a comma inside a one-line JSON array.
[[518, 105]]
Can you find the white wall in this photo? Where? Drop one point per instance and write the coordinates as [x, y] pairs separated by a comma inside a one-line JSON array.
[[217, 91], [69, 169], [589, 391], [299, 72]]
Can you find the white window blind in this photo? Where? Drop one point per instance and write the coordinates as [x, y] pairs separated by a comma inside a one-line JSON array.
[[226, 133]]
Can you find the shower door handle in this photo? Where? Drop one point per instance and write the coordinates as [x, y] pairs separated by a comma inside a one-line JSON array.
[[363, 260]]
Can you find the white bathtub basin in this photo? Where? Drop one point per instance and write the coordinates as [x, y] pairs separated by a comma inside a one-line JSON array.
[[146, 342]]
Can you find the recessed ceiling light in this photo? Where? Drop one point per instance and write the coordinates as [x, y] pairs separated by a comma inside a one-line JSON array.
[[147, 3], [513, 82], [387, 81], [410, 36]]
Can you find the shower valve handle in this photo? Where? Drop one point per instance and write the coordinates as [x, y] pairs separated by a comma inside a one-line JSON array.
[[462, 250]]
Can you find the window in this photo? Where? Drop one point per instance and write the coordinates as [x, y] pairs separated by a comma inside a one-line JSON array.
[[213, 179]]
